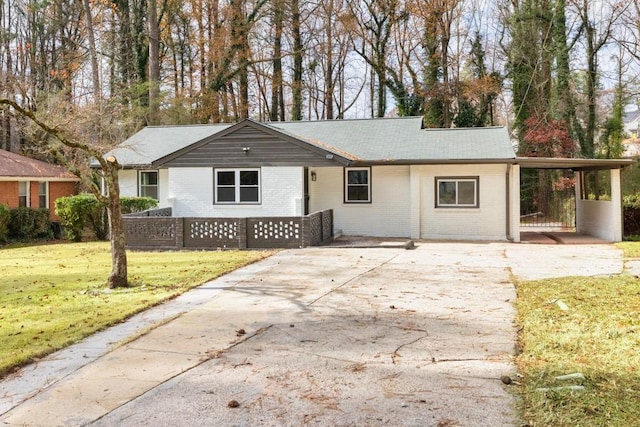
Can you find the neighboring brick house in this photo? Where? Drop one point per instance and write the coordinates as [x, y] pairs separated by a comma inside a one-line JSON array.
[[32, 183]]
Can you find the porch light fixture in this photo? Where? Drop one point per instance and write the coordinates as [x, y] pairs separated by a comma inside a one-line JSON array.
[[313, 176], [246, 150]]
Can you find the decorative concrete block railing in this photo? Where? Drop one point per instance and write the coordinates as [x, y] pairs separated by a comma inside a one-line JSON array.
[[158, 232], [150, 212]]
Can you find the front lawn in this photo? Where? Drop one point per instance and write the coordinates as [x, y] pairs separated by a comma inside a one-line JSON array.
[[580, 325], [54, 295]]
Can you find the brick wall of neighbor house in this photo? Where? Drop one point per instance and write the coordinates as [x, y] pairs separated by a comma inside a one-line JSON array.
[[191, 194], [487, 222], [34, 193], [57, 190], [9, 193], [386, 216]]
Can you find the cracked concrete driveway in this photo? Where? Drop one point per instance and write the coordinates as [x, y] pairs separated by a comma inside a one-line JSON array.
[[323, 336]]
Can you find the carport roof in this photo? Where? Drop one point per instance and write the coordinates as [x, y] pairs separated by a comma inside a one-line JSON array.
[[574, 164]]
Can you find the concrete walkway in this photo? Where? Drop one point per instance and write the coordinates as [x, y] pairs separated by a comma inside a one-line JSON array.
[[324, 336]]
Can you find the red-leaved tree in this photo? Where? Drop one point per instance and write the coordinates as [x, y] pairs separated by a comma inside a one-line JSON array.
[[546, 138]]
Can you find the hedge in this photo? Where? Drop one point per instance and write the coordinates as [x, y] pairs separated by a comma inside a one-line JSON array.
[[5, 217], [631, 214], [29, 224], [84, 210]]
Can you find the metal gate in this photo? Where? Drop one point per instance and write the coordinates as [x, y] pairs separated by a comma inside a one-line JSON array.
[[548, 199]]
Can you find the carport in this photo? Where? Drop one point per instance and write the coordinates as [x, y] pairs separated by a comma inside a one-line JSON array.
[[598, 193]]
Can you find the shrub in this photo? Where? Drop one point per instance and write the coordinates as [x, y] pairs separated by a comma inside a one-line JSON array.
[[137, 204], [5, 216], [28, 224], [75, 212], [631, 214]]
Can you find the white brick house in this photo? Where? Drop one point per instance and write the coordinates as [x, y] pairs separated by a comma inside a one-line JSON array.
[[381, 177]]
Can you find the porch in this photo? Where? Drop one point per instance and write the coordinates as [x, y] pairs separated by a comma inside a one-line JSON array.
[[157, 229]]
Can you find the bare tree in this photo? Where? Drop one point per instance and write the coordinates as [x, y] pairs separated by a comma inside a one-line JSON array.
[[63, 147]]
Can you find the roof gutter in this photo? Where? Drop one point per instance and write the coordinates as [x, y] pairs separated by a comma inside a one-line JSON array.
[[433, 162], [572, 163]]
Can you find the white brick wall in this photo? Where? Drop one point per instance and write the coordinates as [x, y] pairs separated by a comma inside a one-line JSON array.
[[191, 193], [386, 216], [602, 218], [128, 179], [163, 188], [487, 222], [403, 199]]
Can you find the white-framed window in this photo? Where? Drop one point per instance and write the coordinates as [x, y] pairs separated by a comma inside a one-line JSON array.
[[357, 185], [23, 194], [233, 186], [148, 184], [43, 195], [457, 192]]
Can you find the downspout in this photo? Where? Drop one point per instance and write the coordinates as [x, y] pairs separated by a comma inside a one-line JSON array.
[[508, 202]]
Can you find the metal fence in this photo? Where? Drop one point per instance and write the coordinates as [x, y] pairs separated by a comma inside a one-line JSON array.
[[161, 232], [548, 199]]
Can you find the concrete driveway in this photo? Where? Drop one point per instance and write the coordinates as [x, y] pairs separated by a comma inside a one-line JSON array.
[[319, 336]]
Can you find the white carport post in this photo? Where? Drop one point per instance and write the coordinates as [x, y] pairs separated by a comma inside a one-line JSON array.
[[415, 201], [514, 203]]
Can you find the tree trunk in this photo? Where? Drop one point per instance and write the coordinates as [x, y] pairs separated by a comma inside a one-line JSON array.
[[118, 277], [328, 77], [277, 103], [592, 81], [95, 71], [296, 85], [154, 62]]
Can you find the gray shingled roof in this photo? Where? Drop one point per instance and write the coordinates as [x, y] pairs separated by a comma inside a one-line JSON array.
[[155, 142], [372, 140], [399, 139]]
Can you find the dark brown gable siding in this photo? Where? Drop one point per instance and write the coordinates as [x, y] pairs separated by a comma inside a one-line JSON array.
[[264, 150]]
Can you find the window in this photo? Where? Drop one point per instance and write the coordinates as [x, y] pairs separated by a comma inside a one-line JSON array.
[[457, 192], [357, 185], [148, 184], [23, 194], [237, 186], [43, 195]]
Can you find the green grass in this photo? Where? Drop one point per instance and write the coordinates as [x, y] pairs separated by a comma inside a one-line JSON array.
[[631, 249], [599, 336], [54, 295]]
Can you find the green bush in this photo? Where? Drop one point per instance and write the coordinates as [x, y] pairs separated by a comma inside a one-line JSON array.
[[631, 214], [631, 201], [5, 216], [76, 212], [29, 224], [137, 204]]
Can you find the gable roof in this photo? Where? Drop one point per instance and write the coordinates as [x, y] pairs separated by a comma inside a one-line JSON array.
[[388, 140], [14, 165], [268, 146], [155, 142], [402, 140]]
